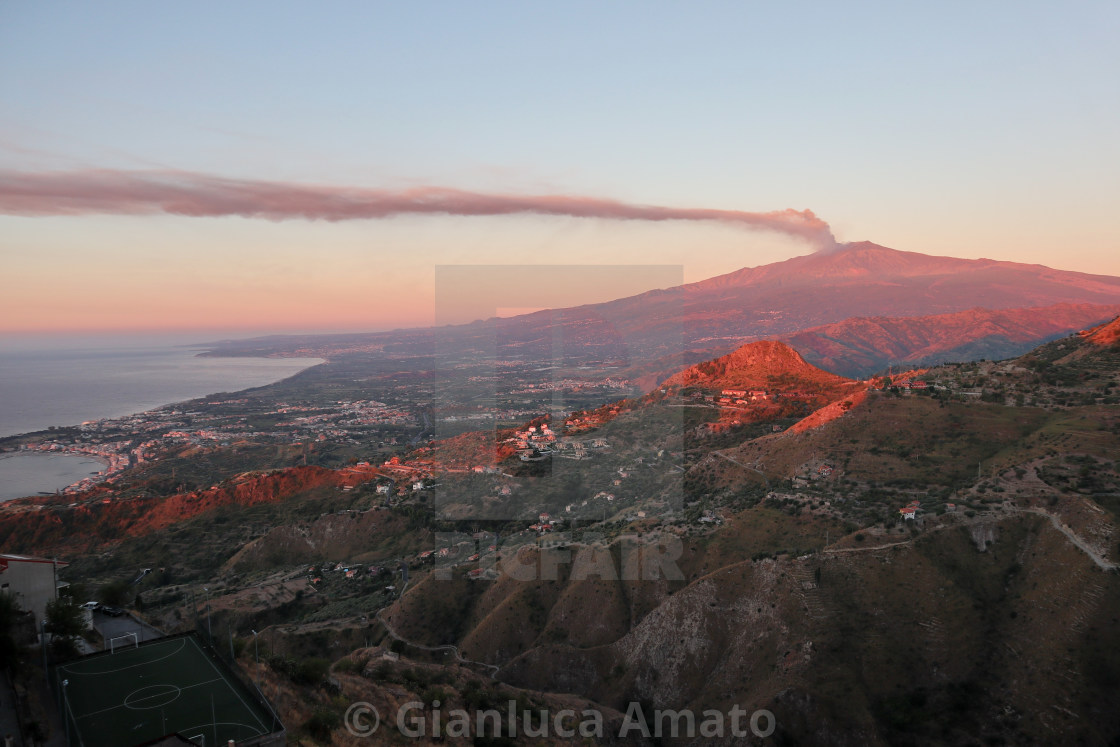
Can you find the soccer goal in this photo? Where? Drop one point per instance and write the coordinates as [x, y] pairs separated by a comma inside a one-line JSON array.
[[114, 645]]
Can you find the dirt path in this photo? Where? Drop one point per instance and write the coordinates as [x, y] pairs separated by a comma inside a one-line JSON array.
[[744, 466], [446, 647], [840, 550], [1103, 564], [1077, 542]]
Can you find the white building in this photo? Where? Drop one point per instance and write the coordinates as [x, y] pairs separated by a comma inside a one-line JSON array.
[[32, 581]]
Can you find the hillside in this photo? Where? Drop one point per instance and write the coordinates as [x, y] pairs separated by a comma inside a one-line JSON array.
[[757, 365], [865, 345], [50, 524], [1106, 334], [909, 644]]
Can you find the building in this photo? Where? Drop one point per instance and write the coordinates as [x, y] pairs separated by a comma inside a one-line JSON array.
[[32, 581]]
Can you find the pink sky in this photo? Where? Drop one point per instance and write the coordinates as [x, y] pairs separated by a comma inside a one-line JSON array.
[[190, 167]]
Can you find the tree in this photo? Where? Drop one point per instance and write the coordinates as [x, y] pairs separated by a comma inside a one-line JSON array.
[[9, 617], [65, 622], [115, 593]]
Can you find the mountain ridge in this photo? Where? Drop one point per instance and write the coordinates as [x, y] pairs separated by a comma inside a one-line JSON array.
[[863, 345], [864, 258]]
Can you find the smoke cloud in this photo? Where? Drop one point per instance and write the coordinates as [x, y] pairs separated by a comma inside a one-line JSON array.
[[200, 195]]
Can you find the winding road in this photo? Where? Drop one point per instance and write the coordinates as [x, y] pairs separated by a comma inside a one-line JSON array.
[[1077, 542], [446, 647]]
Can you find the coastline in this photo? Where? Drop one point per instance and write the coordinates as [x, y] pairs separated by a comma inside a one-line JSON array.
[[154, 379], [116, 456], [66, 466]]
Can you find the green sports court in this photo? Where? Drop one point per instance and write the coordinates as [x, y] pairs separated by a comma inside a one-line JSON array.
[[138, 693]]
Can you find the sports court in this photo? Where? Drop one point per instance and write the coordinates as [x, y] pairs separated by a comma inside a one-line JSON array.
[[172, 685]]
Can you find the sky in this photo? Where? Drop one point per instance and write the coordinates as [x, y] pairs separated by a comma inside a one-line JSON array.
[[267, 167]]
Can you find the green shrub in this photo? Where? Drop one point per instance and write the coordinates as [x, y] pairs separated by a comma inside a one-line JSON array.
[[322, 722]]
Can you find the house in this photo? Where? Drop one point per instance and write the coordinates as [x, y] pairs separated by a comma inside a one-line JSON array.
[[32, 581], [909, 513]]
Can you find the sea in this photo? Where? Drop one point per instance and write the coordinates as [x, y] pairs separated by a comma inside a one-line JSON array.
[[67, 381]]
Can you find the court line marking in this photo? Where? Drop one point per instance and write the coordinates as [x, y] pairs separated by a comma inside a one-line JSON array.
[[123, 704], [68, 667], [165, 689], [201, 728], [230, 686]]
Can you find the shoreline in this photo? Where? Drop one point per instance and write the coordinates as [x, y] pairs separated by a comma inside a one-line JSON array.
[[82, 464], [132, 411], [118, 456]]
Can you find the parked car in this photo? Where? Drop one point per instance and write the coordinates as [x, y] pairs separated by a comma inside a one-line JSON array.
[[112, 611]]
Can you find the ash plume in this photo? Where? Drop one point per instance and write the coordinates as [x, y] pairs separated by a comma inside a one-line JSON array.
[[200, 195]]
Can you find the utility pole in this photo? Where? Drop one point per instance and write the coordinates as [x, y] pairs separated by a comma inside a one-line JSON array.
[[209, 630], [65, 710], [257, 658]]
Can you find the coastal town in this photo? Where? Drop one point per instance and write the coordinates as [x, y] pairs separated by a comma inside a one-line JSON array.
[[339, 431]]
